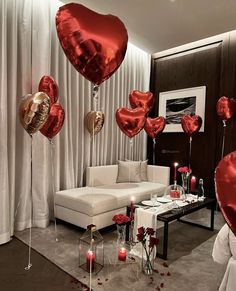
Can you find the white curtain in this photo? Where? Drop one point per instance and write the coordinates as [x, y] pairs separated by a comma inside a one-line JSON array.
[[29, 49]]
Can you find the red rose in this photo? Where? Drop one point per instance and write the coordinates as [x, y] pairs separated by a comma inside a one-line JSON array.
[[140, 236], [141, 230], [184, 170], [120, 219], [150, 231], [153, 241]]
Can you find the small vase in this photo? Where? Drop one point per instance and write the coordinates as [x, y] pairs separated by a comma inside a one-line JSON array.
[[121, 232]]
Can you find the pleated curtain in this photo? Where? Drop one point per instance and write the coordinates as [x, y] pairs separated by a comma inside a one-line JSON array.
[[29, 49]]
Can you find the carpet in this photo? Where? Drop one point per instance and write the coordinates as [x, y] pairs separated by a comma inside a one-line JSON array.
[[43, 276], [189, 266]]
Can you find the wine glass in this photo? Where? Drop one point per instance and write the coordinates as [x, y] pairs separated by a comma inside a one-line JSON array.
[[153, 199]]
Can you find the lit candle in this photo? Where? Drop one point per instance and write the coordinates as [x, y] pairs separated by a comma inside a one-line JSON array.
[[193, 183], [132, 208], [90, 260], [175, 170], [122, 254]]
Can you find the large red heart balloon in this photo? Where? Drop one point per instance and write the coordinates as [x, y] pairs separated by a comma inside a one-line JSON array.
[[154, 126], [225, 108], [130, 121], [191, 124], [94, 43], [49, 86], [54, 122], [225, 184], [141, 99]]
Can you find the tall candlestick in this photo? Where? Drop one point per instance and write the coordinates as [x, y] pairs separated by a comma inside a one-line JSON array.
[[175, 170], [132, 208], [122, 254], [193, 183]]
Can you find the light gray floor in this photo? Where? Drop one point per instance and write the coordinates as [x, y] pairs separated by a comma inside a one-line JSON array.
[[189, 258]]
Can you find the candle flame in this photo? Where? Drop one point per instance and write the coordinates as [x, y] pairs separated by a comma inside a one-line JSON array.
[[132, 198], [176, 164]]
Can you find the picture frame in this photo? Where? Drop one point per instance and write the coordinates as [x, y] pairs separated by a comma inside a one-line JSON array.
[[174, 104]]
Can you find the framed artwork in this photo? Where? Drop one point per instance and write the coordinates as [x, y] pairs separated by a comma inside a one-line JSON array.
[[174, 104]]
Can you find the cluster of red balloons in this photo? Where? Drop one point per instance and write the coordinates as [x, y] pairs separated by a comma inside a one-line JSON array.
[[225, 108], [132, 121], [39, 111]]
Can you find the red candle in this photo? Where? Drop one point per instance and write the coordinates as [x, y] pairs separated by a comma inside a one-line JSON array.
[[193, 183], [90, 260], [132, 208], [175, 170], [122, 254]]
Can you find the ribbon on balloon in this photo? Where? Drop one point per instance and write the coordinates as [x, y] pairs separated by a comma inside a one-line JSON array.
[[225, 109], [191, 124], [33, 113]]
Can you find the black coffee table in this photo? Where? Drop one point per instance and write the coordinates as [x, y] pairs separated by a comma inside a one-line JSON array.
[[177, 214]]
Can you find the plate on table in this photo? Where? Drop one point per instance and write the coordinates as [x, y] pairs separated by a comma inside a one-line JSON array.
[[164, 199], [149, 203]]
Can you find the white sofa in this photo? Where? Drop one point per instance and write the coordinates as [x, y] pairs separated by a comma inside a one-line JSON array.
[[102, 198]]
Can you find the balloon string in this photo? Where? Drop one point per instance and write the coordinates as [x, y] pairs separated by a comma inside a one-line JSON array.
[[223, 139], [154, 152], [190, 151], [31, 202], [53, 187], [95, 97], [131, 155]]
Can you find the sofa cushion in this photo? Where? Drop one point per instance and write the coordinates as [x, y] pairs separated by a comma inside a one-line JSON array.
[[129, 171], [96, 200]]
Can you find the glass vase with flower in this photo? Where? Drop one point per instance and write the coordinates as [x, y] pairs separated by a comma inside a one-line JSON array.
[[121, 221], [185, 175], [149, 242]]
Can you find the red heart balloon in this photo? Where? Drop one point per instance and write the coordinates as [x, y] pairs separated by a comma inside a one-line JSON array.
[[49, 86], [141, 99], [54, 122], [94, 43], [225, 184], [225, 108], [130, 121], [191, 124], [154, 126]]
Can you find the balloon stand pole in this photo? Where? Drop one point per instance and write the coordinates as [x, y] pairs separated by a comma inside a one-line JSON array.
[[130, 154], [31, 204], [223, 140], [190, 152], [154, 152], [53, 187]]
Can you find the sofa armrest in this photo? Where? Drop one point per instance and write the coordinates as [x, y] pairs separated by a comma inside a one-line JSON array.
[[101, 175], [158, 174]]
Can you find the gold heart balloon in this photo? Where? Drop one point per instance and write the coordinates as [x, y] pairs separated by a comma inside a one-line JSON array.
[[34, 110], [94, 121]]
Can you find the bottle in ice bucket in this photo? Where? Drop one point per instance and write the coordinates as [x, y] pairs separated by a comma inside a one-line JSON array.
[[200, 189]]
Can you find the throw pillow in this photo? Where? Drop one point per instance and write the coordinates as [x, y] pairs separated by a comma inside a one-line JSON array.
[[144, 170], [129, 172]]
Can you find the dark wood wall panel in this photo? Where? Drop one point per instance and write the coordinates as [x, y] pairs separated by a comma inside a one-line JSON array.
[[214, 66]]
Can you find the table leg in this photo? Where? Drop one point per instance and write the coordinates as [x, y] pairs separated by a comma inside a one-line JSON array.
[[165, 242]]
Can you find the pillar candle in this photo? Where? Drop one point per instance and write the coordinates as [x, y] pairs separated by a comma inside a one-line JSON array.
[[175, 170], [193, 183], [122, 254], [90, 260]]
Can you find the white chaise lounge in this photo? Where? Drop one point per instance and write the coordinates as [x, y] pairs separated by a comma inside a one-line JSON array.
[[102, 198]]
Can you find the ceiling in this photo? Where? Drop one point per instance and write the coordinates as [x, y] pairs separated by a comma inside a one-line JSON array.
[[157, 25]]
